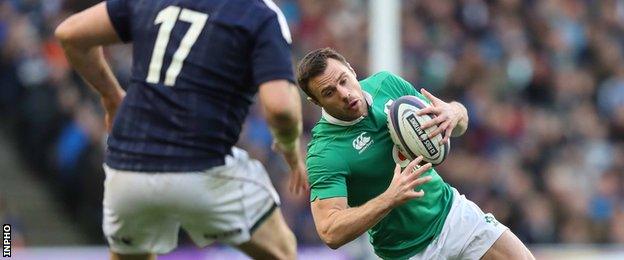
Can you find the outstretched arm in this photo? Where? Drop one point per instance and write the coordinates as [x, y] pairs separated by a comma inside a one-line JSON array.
[[82, 36], [337, 224], [282, 108]]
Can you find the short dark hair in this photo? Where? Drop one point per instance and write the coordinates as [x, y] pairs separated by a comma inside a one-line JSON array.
[[314, 64]]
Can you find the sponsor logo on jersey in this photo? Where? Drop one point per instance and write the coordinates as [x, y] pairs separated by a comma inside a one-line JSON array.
[[362, 142]]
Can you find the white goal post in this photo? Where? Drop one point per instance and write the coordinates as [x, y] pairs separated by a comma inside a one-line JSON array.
[[384, 36]]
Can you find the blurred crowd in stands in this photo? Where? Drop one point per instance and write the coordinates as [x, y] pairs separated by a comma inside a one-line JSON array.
[[543, 82]]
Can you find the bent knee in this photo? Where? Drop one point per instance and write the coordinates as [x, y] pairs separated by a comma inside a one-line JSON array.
[[289, 248], [285, 250], [282, 246]]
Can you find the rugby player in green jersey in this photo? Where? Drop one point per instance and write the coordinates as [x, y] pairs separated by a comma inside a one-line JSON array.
[[360, 182]]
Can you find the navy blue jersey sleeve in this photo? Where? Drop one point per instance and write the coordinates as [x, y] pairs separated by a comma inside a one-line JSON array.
[[119, 14], [271, 56]]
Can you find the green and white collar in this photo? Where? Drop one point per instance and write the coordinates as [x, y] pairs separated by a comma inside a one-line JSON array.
[[336, 121]]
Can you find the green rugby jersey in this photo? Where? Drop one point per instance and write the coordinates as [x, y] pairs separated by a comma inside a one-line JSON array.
[[356, 160]]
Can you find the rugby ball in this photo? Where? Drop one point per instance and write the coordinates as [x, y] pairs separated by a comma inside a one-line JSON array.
[[411, 140]]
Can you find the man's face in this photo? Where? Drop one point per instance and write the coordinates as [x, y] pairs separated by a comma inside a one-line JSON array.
[[338, 92]]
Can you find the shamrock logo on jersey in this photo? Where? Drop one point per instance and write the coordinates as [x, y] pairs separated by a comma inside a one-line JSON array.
[[489, 218]]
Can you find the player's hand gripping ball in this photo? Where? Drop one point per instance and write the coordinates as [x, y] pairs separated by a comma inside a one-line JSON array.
[[404, 127]]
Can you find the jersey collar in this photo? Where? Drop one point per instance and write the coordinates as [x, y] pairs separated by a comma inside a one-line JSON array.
[[336, 121]]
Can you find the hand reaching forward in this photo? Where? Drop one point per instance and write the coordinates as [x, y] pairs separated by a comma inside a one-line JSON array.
[[298, 180], [404, 182]]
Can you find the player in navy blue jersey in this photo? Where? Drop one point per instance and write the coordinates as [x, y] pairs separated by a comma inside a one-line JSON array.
[[170, 160]]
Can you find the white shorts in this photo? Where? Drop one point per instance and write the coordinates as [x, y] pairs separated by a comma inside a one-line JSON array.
[[467, 233], [143, 212]]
